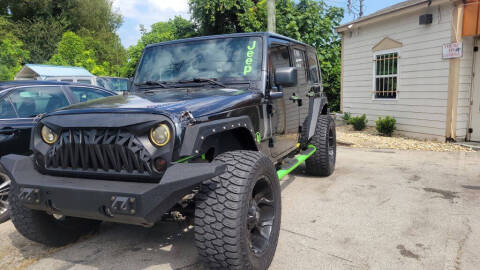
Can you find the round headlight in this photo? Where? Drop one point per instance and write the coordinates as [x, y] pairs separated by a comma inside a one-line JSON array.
[[160, 135], [48, 135]]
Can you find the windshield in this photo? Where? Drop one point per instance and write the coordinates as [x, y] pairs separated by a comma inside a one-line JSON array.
[[227, 58]]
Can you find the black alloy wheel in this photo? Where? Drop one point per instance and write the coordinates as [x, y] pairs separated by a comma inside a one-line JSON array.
[[261, 215]]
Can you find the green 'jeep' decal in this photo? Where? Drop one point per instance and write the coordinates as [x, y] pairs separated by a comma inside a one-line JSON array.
[[248, 62]]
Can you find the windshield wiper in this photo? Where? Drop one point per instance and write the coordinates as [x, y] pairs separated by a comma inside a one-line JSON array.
[[212, 81], [153, 83]]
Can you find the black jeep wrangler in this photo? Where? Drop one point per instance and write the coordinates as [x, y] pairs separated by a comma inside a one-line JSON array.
[[210, 127]]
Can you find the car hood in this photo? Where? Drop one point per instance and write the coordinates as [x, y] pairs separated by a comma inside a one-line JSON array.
[[198, 101]]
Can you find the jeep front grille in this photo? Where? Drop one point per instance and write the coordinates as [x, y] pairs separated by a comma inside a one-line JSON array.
[[97, 150]]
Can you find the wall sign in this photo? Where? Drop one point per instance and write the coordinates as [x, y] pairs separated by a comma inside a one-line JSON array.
[[452, 50]]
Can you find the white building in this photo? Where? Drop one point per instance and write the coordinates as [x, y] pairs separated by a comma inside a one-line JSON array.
[[415, 61]]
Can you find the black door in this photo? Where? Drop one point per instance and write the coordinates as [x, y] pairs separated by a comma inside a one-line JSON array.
[[284, 117], [27, 103], [304, 83]]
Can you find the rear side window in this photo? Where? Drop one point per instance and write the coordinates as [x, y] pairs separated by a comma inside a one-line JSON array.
[[32, 101], [6, 110], [314, 70], [86, 94], [84, 81], [300, 64]]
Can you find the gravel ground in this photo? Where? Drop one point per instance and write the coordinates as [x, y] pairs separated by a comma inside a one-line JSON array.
[[369, 138]]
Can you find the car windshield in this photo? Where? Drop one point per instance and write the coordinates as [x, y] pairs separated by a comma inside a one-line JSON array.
[[114, 84], [223, 59]]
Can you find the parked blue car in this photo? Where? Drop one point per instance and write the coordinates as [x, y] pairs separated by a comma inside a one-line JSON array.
[[20, 103]]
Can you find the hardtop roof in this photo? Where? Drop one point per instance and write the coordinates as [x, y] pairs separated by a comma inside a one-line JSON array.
[[251, 34]]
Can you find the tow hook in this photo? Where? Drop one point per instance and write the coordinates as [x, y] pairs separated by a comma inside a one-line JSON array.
[[123, 205], [29, 195]]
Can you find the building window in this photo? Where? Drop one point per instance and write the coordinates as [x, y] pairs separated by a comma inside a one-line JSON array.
[[386, 75]]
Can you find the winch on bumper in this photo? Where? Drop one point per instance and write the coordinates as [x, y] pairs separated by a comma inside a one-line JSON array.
[[116, 201]]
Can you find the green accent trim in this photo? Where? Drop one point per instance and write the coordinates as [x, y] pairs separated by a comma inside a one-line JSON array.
[[184, 159], [258, 137], [300, 159]]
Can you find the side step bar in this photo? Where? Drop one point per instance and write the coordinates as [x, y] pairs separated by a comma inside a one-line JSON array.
[[296, 161]]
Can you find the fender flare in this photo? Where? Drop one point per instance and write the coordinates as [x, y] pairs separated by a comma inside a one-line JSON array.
[[315, 108], [196, 135]]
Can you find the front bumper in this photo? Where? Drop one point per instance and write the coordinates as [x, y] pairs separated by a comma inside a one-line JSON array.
[[116, 201]]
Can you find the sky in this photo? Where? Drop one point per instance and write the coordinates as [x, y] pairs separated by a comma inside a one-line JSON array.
[[148, 12]]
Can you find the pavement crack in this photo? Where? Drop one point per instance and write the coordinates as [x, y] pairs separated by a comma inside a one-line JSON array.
[[407, 253], [384, 201], [461, 244], [471, 187], [300, 234], [341, 258], [446, 194]]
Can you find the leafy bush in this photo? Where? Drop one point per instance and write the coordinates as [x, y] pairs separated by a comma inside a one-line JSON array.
[[359, 122], [386, 125], [347, 116]]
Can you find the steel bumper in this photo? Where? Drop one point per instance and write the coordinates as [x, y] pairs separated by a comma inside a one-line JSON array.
[[116, 201]]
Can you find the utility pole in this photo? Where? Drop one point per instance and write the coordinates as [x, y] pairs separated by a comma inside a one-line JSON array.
[[353, 8], [271, 16], [360, 14]]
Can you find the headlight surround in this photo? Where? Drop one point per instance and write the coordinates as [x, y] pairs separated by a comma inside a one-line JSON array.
[[48, 136], [160, 135]]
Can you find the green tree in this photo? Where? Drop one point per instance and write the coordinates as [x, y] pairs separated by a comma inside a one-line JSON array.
[[40, 36], [71, 51], [12, 55], [219, 16], [94, 15], [175, 28], [40, 24], [107, 48]]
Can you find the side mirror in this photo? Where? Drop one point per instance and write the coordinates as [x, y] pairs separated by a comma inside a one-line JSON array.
[[286, 76]]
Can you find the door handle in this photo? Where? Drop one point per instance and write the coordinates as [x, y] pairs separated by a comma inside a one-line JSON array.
[[276, 95], [297, 99], [294, 98]]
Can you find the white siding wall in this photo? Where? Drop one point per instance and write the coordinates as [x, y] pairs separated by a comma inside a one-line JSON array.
[[465, 86], [421, 105]]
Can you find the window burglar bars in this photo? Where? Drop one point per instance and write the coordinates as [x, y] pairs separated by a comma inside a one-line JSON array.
[[386, 75]]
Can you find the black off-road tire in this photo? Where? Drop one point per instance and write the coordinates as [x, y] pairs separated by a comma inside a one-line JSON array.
[[322, 162], [223, 213], [43, 228]]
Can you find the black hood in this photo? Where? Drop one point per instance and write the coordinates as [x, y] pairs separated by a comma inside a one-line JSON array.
[[198, 101]]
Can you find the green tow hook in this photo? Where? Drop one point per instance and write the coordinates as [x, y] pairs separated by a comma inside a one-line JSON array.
[[300, 159]]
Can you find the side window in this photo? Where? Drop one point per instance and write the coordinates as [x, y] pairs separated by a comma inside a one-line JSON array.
[[314, 71], [278, 57], [84, 81], [32, 101], [85, 94], [6, 110], [300, 64], [66, 80]]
